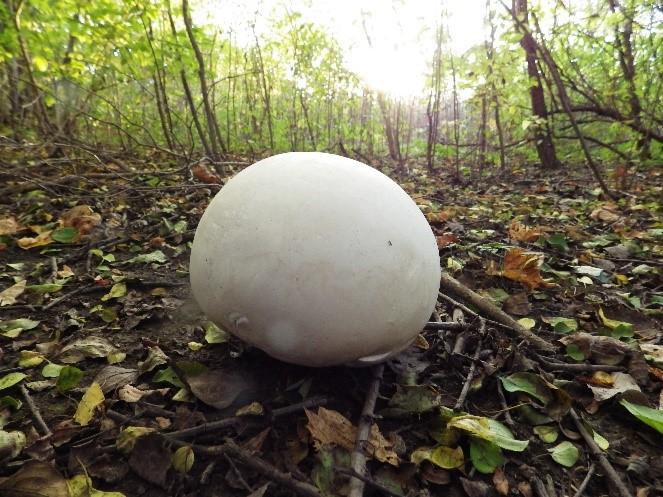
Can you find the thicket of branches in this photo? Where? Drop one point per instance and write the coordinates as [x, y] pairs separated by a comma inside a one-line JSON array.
[[552, 83]]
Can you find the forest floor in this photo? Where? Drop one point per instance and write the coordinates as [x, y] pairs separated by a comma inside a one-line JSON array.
[[106, 362]]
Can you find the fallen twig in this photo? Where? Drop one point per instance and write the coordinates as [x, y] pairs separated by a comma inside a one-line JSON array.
[[231, 449], [452, 326], [585, 482], [36, 414], [368, 481], [66, 296], [215, 426], [452, 285], [507, 415], [473, 366], [603, 460], [358, 458], [564, 366]]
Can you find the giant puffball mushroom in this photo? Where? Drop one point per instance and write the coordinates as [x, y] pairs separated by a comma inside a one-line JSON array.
[[316, 259]]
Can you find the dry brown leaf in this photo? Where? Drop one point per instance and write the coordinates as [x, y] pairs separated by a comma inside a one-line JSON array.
[[35, 478], [329, 427], [446, 239], [517, 304], [522, 266], [605, 213], [9, 295], [10, 226], [525, 489], [523, 233], [205, 175], [40, 240], [81, 217], [501, 482]]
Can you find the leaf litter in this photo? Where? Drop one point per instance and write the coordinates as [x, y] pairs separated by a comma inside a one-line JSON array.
[[111, 371]]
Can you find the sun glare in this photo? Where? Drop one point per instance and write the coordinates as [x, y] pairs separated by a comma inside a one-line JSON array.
[[388, 43]]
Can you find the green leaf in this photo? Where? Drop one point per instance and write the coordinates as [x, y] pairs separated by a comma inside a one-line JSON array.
[[117, 291], [69, 378], [574, 352], [649, 416], [565, 454], [157, 256], [488, 429], [14, 327], [214, 334], [64, 235], [168, 375], [558, 241], [11, 379], [485, 456], [529, 383], [618, 328], [183, 459], [546, 433], [40, 63], [9, 401], [51, 370], [562, 325], [45, 288]]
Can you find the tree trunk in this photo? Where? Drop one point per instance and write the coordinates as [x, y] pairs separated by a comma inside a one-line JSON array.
[[216, 141], [188, 95], [433, 108], [627, 63], [490, 50], [544, 144]]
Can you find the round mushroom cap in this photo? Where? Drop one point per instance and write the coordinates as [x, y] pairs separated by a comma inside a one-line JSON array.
[[316, 259]]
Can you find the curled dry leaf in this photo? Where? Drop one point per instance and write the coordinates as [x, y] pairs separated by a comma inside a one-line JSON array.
[[113, 377], [10, 226], [522, 266], [88, 347], [40, 240], [523, 233], [205, 175], [329, 427], [218, 388], [82, 218]]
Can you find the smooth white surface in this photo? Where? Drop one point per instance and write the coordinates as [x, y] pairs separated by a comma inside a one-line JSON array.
[[316, 259]]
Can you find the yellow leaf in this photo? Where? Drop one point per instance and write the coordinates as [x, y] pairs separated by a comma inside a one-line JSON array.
[[527, 323], [29, 358], [39, 241], [183, 459], [447, 458], [127, 438], [81, 486], [92, 399]]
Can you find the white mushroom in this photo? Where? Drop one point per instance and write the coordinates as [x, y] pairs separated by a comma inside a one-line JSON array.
[[317, 260]]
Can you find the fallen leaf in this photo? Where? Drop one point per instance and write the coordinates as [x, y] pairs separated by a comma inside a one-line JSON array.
[[113, 377], [486, 457], [446, 239], [649, 416], [10, 226], [126, 440], [30, 358], [11, 444], [501, 482], [475, 488], [35, 478], [11, 379], [605, 213], [517, 304], [92, 399], [329, 427], [522, 266], [82, 218], [218, 388], [183, 459], [412, 399], [205, 175], [14, 327], [40, 240], [88, 347], [68, 377], [81, 486], [565, 454], [522, 233], [9, 295], [488, 429], [150, 459]]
